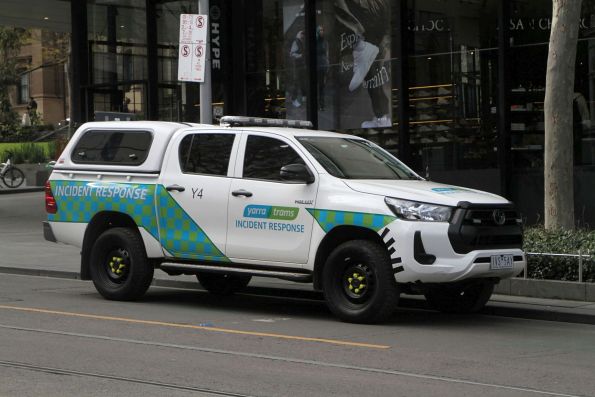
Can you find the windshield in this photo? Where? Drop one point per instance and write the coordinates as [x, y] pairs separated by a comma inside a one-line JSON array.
[[350, 158]]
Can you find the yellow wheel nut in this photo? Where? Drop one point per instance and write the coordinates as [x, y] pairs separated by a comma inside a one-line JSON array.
[[360, 278], [355, 275], [362, 286], [357, 290], [350, 286], [350, 279]]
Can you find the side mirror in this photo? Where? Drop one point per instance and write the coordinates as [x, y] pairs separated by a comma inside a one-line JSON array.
[[296, 173]]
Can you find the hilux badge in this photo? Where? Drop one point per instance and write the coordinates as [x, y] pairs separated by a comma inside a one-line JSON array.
[[499, 217]]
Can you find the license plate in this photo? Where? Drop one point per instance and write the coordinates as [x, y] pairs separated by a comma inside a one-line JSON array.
[[498, 262]]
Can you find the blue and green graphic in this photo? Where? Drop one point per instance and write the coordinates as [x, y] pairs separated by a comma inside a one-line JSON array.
[[271, 212], [328, 219], [80, 201], [180, 235]]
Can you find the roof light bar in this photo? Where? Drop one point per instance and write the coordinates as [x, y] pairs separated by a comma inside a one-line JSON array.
[[236, 121]]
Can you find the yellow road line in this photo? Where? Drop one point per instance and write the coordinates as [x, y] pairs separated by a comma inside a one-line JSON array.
[[197, 327]]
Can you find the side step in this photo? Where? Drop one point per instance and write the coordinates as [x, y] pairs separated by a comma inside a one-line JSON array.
[[193, 269]]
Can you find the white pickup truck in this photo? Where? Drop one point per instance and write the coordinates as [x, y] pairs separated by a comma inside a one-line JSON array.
[[254, 197]]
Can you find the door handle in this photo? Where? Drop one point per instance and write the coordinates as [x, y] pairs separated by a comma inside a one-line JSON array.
[[175, 187], [241, 192]]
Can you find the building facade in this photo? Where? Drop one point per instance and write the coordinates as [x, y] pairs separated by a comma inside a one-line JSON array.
[[455, 88]]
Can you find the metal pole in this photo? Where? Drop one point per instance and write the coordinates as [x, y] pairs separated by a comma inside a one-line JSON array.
[[206, 100], [580, 267]]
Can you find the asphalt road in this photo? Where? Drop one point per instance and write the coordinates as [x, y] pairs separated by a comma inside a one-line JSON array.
[[58, 337]]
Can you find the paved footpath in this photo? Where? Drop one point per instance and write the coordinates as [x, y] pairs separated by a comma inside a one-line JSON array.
[[24, 251]]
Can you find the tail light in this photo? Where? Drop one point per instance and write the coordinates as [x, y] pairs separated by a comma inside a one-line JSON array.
[[50, 202]]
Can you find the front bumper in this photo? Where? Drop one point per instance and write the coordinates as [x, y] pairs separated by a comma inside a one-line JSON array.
[[439, 263]]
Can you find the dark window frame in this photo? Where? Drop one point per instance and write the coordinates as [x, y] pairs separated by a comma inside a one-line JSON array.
[[24, 99]]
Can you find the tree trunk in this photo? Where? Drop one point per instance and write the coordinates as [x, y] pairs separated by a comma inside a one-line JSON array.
[[559, 92]]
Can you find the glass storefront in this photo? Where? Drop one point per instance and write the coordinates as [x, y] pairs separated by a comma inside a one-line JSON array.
[[341, 64], [355, 63], [117, 57], [276, 75], [453, 62], [177, 100], [530, 26]]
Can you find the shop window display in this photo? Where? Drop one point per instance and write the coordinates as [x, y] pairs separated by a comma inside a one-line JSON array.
[[453, 84], [275, 60], [354, 68], [530, 25]]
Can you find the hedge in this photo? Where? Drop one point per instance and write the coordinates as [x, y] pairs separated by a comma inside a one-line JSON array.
[[38, 152], [539, 240]]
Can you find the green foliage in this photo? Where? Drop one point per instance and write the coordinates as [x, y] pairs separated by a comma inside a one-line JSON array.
[[537, 239], [11, 40], [39, 152]]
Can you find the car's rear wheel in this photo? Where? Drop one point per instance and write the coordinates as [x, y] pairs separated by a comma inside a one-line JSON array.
[[223, 284], [358, 282], [119, 266], [469, 297]]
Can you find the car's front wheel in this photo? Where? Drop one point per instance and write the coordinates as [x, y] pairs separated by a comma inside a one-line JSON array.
[[358, 282]]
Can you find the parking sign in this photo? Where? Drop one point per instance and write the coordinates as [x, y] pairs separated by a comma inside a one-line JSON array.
[[193, 43]]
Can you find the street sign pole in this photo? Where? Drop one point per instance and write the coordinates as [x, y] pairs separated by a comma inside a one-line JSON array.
[[206, 100]]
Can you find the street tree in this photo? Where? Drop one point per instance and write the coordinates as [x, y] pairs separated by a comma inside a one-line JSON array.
[[11, 40], [559, 92]]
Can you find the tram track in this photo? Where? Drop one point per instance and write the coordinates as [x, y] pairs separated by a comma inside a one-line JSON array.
[[171, 386], [315, 363]]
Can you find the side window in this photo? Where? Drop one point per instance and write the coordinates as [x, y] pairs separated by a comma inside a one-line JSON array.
[[206, 153], [265, 156], [113, 147]]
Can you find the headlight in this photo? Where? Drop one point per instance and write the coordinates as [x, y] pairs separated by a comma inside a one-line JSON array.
[[415, 211]]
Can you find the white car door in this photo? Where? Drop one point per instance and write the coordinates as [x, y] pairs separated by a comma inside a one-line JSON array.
[[268, 221], [192, 200]]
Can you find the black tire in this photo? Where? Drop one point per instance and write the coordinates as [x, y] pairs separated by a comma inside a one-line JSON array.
[[13, 177], [358, 282], [460, 298], [119, 266], [223, 283]]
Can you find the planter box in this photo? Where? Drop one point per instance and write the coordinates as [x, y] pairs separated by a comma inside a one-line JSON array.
[[549, 289], [35, 174]]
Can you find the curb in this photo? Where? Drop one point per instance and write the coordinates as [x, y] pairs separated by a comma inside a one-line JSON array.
[[547, 289], [6, 190], [495, 307]]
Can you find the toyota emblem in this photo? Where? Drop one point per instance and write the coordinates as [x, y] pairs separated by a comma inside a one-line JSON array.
[[499, 217]]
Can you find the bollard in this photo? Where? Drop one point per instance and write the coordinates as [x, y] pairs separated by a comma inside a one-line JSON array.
[[580, 267]]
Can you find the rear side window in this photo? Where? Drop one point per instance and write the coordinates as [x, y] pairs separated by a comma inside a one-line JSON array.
[[113, 147], [206, 153]]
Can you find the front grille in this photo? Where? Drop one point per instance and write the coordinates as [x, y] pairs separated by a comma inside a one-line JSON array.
[[491, 241], [485, 217], [475, 228]]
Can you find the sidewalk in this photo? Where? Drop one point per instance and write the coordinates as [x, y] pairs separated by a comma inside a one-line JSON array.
[[21, 189], [499, 305]]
